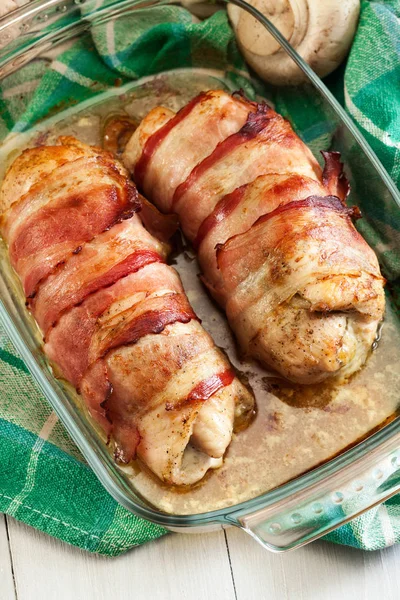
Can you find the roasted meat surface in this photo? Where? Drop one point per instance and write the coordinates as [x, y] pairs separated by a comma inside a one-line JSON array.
[[301, 288], [114, 316]]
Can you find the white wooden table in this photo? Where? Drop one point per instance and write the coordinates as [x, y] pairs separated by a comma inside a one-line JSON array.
[[226, 565]]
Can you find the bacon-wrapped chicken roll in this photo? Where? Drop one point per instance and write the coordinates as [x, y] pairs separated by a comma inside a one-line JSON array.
[[115, 319], [301, 288]]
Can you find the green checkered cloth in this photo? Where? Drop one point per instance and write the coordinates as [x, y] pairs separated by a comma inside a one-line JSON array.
[[44, 480]]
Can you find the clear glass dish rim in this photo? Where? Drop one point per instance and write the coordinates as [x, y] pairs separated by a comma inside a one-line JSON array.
[[92, 451]]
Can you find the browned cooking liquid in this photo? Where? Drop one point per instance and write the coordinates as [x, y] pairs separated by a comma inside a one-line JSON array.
[[296, 427]]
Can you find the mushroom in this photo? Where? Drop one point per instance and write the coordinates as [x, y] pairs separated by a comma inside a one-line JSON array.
[[320, 31]]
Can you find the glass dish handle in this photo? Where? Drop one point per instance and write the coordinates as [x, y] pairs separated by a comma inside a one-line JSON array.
[[331, 502]]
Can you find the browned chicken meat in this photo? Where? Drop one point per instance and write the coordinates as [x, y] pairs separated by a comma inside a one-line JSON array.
[[275, 240], [115, 319]]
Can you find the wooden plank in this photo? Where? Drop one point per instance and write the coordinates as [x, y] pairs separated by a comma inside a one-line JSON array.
[[7, 590], [191, 567], [319, 570], [195, 567]]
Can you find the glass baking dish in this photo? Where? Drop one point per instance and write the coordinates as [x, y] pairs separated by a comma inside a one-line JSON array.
[[310, 505]]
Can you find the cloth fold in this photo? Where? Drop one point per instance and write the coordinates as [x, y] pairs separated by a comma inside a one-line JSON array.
[[44, 480]]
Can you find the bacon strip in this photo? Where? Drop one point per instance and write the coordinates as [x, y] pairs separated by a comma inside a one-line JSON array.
[[96, 389], [224, 208], [239, 210], [216, 115], [205, 389], [75, 295], [158, 224], [328, 202], [127, 438], [98, 393], [76, 341], [101, 263], [52, 220], [256, 122], [241, 164], [152, 365], [155, 140], [333, 176], [288, 250], [158, 313]]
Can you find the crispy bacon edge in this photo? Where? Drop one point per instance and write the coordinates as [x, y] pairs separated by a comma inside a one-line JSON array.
[[255, 123], [205, 389], [332, 203], [131, 264], [176, 309], [225, 207], [160, 225], [333, 176], [154, 141], [134, 205]]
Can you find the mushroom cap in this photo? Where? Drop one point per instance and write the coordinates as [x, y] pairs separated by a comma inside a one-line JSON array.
[[321, 32]]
